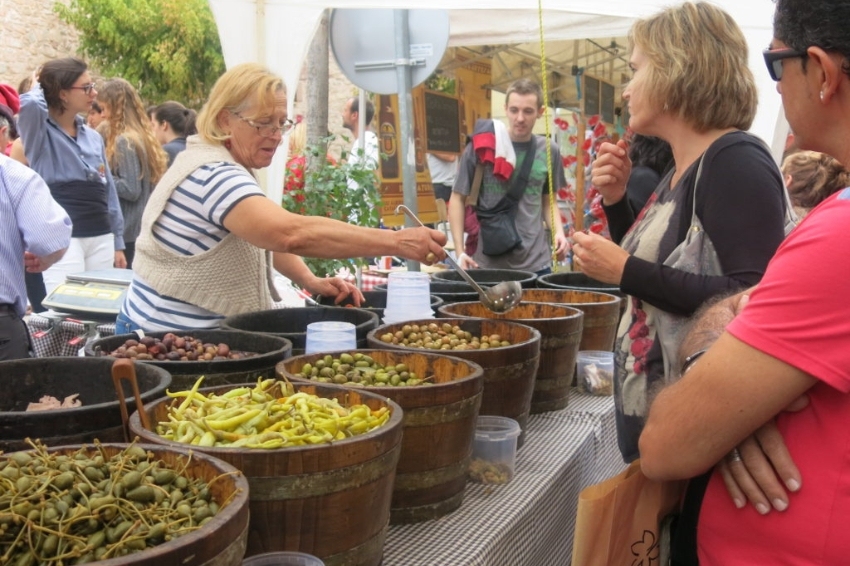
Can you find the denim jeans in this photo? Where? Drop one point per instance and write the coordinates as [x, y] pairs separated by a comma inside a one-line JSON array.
[[544, 271], [124, 325]]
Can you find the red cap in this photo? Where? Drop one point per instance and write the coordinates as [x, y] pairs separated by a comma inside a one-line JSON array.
[[9, 97]]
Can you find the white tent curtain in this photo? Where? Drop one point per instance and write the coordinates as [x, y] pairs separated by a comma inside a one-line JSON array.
[[277, 33]]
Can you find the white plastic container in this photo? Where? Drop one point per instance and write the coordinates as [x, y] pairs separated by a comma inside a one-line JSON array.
[[408, 297], [494, 450], [329, 336], [595, 372], [283, 559]]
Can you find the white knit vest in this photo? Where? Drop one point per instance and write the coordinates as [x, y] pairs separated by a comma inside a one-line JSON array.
[[231, 278]]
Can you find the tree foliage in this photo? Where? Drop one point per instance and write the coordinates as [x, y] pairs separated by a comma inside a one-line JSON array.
[[168, 49]]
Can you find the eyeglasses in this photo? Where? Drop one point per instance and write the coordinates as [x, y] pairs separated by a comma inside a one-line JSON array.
[[773, 59], [85, 88], [268, 130]]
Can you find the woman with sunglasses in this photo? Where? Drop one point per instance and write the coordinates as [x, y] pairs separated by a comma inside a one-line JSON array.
[[70, 157], [210, 237]]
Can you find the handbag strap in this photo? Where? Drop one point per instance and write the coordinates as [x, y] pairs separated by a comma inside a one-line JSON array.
[[696, 183], [521, 180], [472, 198]]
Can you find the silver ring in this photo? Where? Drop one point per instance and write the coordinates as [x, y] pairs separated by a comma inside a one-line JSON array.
[[734, 456]]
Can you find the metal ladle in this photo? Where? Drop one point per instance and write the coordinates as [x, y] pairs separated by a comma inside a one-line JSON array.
[[499, 298]]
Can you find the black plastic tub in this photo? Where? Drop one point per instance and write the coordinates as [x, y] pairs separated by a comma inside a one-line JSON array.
[[99, 417], [376, 301], [291, 323], [269, 349], [581, 282], [447, 291], [489, 277]]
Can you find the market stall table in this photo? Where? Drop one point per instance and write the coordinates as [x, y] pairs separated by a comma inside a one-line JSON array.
[[530, 521]]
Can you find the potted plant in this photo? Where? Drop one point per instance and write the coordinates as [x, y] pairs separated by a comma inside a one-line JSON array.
[[335, 189]]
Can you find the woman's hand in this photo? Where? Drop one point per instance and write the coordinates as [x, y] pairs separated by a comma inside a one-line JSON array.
[[611, 170], [599, 257], [335, 287], [120, 260], [421, 244]]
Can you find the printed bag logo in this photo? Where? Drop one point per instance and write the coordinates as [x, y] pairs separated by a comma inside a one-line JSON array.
[[645, 550]]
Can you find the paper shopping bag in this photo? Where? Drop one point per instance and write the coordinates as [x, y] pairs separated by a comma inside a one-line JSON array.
[[618, 520]]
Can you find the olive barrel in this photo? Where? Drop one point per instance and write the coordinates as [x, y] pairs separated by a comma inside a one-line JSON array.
[[601, 313], [489, 277], [374, 300], [509, 371], [580, 281], [291, 323], [269, 349], [560, 334], [439, 427], [447, 291], [99, 417], [220, 542], [329, 500]]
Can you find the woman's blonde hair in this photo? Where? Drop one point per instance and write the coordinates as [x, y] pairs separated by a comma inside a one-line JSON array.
[[813, 177], [242, 87], [127, 118], [697, 67], [298, 139]]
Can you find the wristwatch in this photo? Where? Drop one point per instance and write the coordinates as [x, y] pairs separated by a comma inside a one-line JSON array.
[[691, 360]]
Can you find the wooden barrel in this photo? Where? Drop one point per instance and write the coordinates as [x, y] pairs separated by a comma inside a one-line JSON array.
[[601, 313], [488, 277], [439, 427], [221, 542], [291, 323], [581, 282], [270, 350], [508, 371], [560, 334], [329, 500], [99, 417]]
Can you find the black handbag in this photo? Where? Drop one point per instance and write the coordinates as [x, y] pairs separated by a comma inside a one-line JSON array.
[[498, 234]]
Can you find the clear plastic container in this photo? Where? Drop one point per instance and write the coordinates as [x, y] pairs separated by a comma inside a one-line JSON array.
[[283, 559], [595, 372], [330, 335], [494, 450]]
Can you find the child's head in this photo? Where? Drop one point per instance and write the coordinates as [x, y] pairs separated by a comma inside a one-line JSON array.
[[811, 177]]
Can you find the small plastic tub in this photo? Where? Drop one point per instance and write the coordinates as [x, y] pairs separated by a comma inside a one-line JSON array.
[[595, 372], [283, 559], [494, 450]]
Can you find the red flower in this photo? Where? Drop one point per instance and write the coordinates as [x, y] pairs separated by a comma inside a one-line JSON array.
[[593, 120]]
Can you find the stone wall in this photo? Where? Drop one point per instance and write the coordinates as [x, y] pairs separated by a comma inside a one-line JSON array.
[[30, 34]]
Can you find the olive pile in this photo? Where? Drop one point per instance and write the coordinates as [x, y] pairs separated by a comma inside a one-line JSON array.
[[359, 370], [443, 336], [176, 348], [88, 506]]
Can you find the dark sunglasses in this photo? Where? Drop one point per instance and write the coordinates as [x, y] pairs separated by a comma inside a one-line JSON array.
[[773, 59]]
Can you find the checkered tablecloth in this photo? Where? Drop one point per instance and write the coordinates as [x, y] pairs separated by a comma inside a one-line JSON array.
[[530, 521], [61, 335]]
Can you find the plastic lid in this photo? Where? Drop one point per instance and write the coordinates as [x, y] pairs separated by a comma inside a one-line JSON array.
[[490, 427], [283, 559]]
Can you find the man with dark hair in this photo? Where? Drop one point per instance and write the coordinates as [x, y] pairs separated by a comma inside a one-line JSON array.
[[350, 120], [526, 201], [766, 393]]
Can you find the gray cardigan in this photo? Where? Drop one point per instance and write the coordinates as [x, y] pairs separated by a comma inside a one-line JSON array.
[[133, 186]]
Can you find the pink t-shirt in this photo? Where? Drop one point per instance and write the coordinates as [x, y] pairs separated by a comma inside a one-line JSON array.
[[800, 314]]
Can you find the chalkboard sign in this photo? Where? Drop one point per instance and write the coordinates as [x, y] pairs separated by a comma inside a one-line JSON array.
[[442, 123], [591, 96], [607, 109]]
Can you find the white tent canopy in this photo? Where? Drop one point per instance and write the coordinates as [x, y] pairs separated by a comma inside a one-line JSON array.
[[277, 33]]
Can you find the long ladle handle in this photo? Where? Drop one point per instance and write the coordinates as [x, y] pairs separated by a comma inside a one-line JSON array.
[[449, 258]]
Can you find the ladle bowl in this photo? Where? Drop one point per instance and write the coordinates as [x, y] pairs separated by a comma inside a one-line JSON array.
[[499, 298]]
